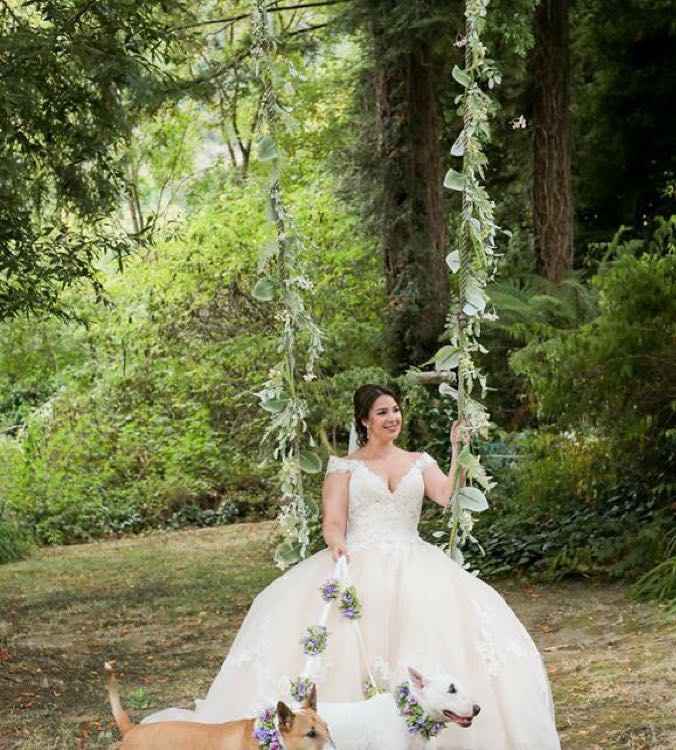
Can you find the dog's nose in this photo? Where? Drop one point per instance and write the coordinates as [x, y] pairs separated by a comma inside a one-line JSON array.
[[476, 709]]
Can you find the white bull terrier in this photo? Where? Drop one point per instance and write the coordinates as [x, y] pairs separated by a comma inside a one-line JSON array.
[[405, 720]]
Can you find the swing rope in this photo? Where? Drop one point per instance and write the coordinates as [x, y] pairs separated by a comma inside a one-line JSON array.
[[313, 664]]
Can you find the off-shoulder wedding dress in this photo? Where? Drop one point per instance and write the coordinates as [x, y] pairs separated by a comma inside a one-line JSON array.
[[420, 608]]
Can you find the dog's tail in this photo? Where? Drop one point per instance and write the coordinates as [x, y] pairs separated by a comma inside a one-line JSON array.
[[121, 718]]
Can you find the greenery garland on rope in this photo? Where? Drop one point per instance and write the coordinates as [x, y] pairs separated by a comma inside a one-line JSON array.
[[474, 262], [282, 281]]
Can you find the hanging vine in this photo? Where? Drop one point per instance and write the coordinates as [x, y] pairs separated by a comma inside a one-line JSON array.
[[283, 283], [474, 262]]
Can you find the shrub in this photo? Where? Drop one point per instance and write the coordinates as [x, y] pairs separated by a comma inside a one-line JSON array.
[[560, 508]]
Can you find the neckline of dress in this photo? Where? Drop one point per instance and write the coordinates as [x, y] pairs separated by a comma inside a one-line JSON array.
[[382, 478]]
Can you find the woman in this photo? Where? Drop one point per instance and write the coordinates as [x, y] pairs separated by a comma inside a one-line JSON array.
[[420, 608]]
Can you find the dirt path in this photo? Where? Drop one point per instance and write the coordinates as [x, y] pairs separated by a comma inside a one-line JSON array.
[[166, 607]]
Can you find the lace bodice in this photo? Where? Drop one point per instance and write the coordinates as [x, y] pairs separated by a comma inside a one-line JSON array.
[[377, 515]]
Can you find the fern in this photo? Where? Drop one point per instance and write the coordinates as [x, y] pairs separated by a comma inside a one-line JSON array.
[[660, 582], [532, 308]]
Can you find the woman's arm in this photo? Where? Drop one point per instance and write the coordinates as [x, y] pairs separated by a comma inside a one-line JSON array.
[[440, 487], [334, 513]]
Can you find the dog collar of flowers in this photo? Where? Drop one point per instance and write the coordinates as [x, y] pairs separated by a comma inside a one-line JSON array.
[[414, 716], [266, 732]]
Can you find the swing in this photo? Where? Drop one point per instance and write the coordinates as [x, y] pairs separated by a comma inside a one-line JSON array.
[[454, 372], [474, 263]]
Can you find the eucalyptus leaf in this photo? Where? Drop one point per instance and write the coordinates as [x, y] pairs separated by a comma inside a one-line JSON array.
[[461, 76], [275, 405], [447, 390], [446, 358], [310, 462], [286, 554], [453, 261], [264, 291], [458, 148], [472, 499], [475, 471], [267, 149], [454, 180], [475, 299]]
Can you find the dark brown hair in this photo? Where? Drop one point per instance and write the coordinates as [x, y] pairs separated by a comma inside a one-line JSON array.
[[363, 400]]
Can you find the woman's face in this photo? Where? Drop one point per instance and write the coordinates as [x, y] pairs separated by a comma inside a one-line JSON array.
[[384, 421]]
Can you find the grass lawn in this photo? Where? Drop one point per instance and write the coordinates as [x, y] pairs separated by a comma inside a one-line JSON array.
[[166, 607]]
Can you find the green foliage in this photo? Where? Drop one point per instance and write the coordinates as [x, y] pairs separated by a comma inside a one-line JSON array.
[[619, 370], [148, 417], [14, 541], [660, 582], [621, 54], [76, 76], [562, 507]]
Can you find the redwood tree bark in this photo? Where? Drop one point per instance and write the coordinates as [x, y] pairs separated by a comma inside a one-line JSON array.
[[413, 231], [552, 185]]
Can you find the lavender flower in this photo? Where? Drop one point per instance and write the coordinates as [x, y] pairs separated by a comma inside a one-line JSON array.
[[416, 720], [315, 639], [300, 688], [265, 732], [349, 605], [330, 590]]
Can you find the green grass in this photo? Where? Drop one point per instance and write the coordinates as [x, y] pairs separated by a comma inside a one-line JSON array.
[[166, 607]]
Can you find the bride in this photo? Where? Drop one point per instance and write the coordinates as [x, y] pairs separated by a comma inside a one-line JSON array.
[[420, 608]]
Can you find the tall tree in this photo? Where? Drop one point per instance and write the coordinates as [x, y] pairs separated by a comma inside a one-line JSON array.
[[407, 74], [552, 185]]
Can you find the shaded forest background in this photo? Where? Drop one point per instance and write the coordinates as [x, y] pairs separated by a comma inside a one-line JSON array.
[[133, 214]]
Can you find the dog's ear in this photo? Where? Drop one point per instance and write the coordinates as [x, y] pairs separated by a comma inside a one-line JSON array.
[[416, 678], [285, 716], [311, 699]]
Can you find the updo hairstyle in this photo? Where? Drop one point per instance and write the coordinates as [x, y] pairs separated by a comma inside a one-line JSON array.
[[364, 398]]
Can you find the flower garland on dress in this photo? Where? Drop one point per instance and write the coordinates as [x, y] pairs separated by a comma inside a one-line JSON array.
[[414, 716], [266, 732], [348, 599], [315, 639]]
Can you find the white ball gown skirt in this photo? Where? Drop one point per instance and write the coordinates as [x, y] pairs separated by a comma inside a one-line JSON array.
[[419, 609]]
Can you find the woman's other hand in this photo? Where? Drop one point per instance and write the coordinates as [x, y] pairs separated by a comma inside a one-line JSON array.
[[339, 550], [459, 433]]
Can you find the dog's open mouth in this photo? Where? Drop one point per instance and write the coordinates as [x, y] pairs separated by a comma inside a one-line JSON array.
[[463, 721]]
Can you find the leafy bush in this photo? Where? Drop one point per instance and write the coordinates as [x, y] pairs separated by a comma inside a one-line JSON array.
[[598, 499], [660, 582], [14, 541], [562, 508], [148, 418]]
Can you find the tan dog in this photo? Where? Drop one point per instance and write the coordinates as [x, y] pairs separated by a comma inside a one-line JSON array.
[[303, 730]]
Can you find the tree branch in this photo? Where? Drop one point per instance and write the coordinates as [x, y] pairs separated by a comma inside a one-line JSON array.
[[10, 11], [272, 9], [72, 21], [307, 28]]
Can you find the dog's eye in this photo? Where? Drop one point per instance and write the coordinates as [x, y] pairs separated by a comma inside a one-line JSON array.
[[451, 688], [311, 733]]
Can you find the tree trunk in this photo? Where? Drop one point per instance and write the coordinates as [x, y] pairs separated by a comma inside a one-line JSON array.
[[412, 216], [552, 186]]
